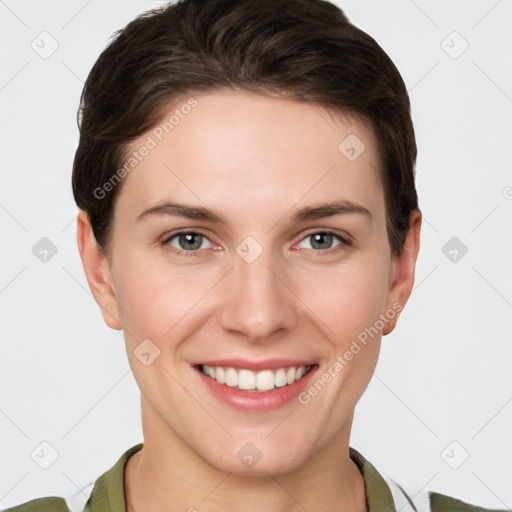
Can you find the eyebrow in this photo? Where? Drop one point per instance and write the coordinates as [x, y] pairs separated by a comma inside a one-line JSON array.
[[319, 211]]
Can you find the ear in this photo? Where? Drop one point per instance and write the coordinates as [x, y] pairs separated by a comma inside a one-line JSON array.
[[97, 271], [403, 266]]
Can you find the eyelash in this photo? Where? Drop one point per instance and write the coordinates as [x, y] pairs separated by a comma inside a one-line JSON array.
[[344, 242]]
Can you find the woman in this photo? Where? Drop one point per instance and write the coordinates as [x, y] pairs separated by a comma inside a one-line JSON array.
[[249, 219]]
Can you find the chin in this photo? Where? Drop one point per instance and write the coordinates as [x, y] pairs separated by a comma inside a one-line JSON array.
[[257, 458]]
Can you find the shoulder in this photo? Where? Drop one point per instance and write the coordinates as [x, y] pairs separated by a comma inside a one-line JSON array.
[[73, 502], [441, 503], [104, 494], [433, 502], [385, 494], [49, 504]]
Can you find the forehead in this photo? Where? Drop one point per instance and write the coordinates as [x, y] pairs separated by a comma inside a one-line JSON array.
[[253, 153]]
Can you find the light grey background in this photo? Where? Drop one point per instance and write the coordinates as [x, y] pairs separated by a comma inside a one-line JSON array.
[[444, 374]]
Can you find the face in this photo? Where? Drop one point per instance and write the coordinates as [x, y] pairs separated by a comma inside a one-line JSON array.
[[251, 235]]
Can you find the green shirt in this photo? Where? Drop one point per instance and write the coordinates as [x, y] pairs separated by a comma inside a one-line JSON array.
[[108, 493]]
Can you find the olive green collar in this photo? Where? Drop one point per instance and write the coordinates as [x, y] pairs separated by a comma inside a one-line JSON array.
[[108, 492], [378, 494]]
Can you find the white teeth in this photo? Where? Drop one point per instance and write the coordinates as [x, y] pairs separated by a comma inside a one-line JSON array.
[[300, 373], [231, 377], [220, 375], [280, 378], [246, 379], [264, 380]]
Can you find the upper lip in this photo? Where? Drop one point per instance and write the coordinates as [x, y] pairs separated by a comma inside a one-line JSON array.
[[267, 364]]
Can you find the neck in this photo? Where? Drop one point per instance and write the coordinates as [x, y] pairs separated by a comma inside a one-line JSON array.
[[168, 476]]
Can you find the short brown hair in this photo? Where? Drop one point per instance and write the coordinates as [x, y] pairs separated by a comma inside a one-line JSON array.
[[302, 49]]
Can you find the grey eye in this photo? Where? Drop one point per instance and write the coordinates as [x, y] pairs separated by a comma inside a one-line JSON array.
[[188, 241], [322, 240]]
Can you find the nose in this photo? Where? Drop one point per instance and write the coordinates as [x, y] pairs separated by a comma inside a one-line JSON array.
[[258, 304]]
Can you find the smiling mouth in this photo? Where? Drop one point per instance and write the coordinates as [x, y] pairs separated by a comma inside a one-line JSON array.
[[261, 381]]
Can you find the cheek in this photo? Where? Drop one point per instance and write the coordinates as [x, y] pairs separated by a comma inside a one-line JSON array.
[[347, 299], [153, 297]]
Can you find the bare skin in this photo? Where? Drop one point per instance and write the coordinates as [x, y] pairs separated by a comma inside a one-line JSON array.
[[254, 160]]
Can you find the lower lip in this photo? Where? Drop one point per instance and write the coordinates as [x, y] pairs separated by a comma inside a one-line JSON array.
[[257, 401]]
